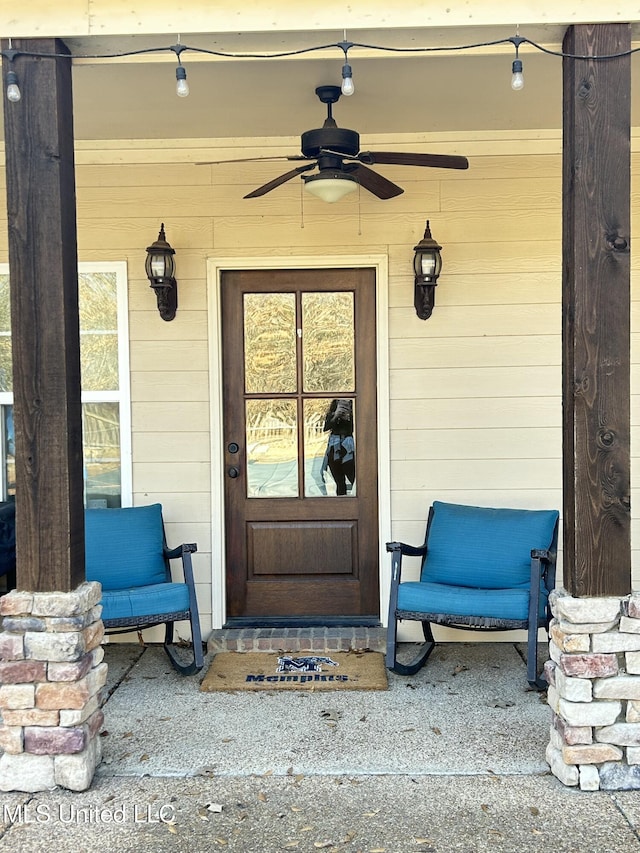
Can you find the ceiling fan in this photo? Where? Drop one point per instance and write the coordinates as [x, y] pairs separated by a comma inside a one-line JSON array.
[[335, 152]]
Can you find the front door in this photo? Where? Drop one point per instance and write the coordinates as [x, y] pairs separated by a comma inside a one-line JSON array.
[[300, 444]]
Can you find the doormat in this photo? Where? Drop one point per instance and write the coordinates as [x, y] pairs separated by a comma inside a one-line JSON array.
[[231, 671]]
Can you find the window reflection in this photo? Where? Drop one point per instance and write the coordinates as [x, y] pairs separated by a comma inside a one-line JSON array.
[[329, 459], [328, 342], [340, 457], [272, 449], [270, 343], [281, 361], [98, 306], [9, 452], [101, 454]]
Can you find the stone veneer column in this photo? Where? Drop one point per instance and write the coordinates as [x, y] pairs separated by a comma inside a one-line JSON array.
[[594, 691], [51, 675]]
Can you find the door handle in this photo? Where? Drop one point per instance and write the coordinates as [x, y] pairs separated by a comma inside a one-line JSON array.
[[233, 473]]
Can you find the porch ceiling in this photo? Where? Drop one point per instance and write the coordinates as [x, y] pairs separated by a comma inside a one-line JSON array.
[[399, 92], [395, 92]]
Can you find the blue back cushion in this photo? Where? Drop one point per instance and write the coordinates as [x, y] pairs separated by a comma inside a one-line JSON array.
[[484, 547], [124, 547]]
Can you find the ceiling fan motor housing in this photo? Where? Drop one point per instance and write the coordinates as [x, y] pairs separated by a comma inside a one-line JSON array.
[[338, 139]]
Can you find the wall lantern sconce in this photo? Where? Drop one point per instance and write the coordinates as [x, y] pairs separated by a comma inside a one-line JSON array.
[[427, 264], [160, 269]]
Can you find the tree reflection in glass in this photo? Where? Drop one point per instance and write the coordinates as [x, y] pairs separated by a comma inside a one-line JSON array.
[[272, 449]]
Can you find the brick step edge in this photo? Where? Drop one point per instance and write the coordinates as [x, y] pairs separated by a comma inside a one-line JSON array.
[[297, 639]]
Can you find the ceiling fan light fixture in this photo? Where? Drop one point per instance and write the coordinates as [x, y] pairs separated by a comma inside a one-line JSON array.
[[330, 186]]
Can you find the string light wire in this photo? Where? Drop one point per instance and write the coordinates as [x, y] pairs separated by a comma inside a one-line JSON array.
[[12, 53], [517, 41]]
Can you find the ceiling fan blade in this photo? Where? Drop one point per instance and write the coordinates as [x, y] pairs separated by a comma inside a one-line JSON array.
[[399, 158], [374, 182], [254, 159], [276, 182]]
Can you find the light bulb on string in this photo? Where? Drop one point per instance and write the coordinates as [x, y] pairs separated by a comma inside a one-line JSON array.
[[517, 77], [182, 87], [347, 87], [13, 90], [347, 80]]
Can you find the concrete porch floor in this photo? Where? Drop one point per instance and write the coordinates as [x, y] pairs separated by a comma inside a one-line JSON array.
[[469, 711], [451, 759]]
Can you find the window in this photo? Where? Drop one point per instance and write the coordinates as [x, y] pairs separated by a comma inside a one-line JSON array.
[[104, 357]]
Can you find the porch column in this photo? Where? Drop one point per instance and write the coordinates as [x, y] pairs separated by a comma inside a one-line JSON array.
[[50, 661], [593, 674]]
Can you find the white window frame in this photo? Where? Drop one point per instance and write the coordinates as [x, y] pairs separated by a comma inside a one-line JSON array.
[[123, 395]]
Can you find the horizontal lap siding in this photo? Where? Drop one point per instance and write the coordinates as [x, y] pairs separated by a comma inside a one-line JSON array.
[[475, 410], [476, 390]]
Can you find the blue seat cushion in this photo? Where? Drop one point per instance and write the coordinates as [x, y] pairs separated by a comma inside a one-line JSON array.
[[124, 547], [418, 597], [472, 546], [151, 600]]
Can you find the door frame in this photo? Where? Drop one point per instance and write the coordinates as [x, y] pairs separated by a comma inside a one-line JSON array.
[[215, 268]]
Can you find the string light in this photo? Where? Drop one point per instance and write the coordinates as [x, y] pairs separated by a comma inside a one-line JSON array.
[[13, 90], [517, 77], [347, 75], [182, 87]]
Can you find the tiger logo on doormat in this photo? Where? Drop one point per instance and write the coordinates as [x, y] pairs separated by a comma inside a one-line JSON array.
[[310, 663]]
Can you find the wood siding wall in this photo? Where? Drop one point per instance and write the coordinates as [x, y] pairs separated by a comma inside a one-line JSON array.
[[475, 390]]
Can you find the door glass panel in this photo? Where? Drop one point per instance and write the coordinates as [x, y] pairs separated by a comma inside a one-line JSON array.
[[328, 341], [272, 449], [330, 462], [270, 343]]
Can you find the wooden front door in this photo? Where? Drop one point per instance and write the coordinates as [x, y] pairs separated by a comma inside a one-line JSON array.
[[300, 444]]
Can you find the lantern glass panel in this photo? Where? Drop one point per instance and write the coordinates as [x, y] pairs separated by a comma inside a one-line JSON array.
[[428, 264], [158, 266]]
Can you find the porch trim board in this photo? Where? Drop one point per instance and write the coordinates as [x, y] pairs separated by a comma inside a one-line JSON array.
[[215, 268]]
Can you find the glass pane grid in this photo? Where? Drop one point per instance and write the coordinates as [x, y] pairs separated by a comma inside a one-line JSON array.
[[98, 296], [280, 376]]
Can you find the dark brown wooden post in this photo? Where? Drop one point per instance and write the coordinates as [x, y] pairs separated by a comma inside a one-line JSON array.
[[44, 318], [596, 311]]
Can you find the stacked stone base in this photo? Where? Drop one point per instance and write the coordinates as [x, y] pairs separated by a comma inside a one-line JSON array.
[[594, 691], [51, 675]]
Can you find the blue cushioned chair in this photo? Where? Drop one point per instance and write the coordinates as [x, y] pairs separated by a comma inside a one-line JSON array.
[[8, 543], [126, 550], [482, 568]]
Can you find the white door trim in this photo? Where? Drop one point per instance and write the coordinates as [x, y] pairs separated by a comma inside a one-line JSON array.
[[215, 268]]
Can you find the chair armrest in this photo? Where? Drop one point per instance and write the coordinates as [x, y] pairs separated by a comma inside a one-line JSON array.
[[174, 553], [543, 567], [544, 554], [397, 551], [407, 550], [185, 551]]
